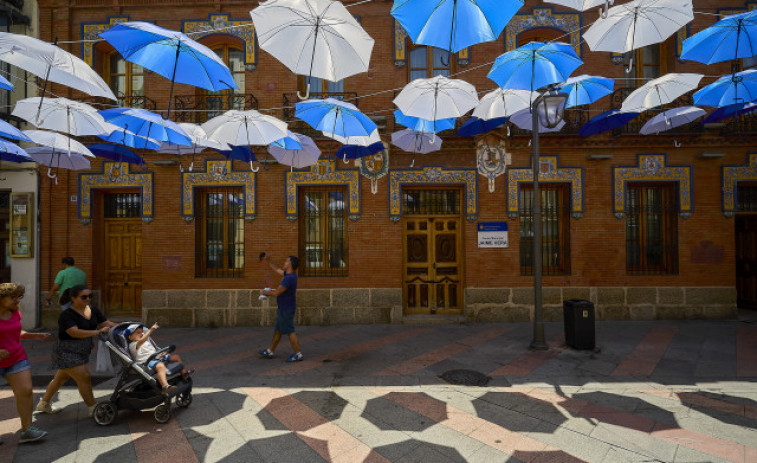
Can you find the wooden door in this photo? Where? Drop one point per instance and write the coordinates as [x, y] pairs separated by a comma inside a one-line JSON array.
[[432, 265], [122, 286], [746, 261]]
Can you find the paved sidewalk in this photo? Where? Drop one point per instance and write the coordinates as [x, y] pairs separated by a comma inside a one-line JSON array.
[[665, 391]]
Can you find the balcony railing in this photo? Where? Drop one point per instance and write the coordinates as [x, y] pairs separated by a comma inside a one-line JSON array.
[[141, 102], [296, 125], [200, 108]]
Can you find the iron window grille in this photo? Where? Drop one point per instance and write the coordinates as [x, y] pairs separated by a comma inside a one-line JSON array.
[[323, 231], [652, 229], [219, 219], [431, 202], [555, 228], [122, 205]]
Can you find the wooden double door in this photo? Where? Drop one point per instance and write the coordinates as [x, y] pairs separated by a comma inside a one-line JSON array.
[[746, 261], [433, 274], [122, 266]]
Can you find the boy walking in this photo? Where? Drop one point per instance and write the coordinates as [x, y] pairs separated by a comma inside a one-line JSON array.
[[286, 299]]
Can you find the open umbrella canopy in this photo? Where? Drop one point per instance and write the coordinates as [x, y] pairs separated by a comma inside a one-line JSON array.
[[5, 83], [9, 131], [732, 37], [356, 151], [361, 140], [127, 138], [249, 127], [52, 63], [454, 24], [474, 126], [199, 139], [290, 142], [580, 5], [57, 141], [423, 125], [146, 124], [726, 112], [638, 23], [524, 120], [672, 118], [416, 142], [608, 120], [660, 91], [503, 102], [13, 153], [306, 155], [171, 54], [334, 117], [586, 89], [740, 87], [318, 38], [114, 152], [62, 115], [240, 153], [58, 158], [437, 98], [534, 65]]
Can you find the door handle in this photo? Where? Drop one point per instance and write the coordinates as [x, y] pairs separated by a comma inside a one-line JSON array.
[[126, 283]]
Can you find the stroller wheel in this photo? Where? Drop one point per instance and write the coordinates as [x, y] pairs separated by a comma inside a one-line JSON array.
[[184, 399], [163, 413], [105, 413]]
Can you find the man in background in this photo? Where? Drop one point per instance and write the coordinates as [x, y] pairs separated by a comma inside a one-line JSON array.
[[68, 277]]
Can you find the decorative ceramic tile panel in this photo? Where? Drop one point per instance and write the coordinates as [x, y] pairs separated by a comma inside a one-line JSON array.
[[218, 173], [652, 168], [731, 175], [323, 174], [90, 32], [219, 23], [115, 175], [568, 23], [549, 172], [400, 48], [433, 175]]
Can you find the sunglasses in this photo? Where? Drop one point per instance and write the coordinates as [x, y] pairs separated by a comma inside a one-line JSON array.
[[85, 296]]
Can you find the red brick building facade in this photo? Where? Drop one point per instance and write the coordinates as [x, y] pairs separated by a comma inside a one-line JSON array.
[[408, 252]]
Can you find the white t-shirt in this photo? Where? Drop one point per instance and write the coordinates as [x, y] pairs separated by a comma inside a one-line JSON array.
[[143, 353]]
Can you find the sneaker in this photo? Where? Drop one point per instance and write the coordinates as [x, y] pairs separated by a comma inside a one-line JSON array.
[[91, 410], [295, 357], [47, 407], [168, 389], [266, 353], [31, 434]]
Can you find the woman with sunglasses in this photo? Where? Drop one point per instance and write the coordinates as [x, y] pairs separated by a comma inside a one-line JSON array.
[[77, 328], [14, 365]]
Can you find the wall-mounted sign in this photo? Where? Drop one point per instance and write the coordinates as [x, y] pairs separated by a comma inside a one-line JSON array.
[[22, 220], [492, 235]]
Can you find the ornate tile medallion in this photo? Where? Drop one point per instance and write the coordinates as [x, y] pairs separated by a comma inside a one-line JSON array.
[[217, 173], [652, 168], [115, 175], [549, 172], [219, 23], [323, 174], [433, 175], [569, 23]]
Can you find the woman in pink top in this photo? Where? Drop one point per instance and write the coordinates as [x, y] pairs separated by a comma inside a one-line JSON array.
[[14, 366]]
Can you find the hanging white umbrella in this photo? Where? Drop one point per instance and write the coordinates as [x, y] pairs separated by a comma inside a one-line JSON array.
[[523, 119], [436, 98], [416, 142], [199, 139], [62, 115], [672, 118], [637, 24], [57, 151], [306, 155], [503, 102], [57, 141], [318, 38], [660, 91], [240, 128], [52, 63], [581, 5], [359, 140]]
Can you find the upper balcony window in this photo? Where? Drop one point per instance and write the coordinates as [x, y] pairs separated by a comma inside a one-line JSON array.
[[127, 80], [219, 102], [426, 62]]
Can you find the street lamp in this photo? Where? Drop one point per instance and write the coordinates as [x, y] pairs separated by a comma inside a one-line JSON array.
[[546, 111]]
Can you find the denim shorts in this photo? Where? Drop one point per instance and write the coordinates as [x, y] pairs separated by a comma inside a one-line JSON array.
[[285, 321], [164, 359], [17, 367]]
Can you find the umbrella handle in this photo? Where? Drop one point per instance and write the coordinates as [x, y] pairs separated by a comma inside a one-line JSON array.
[[677, 144], [630, 65], [254, 169], [508, 130], [603, 13], [307, 92], [412, 164], [50, 174], [345, 158]]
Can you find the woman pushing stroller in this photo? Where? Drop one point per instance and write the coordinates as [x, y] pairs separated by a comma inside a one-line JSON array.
[[142, 350]]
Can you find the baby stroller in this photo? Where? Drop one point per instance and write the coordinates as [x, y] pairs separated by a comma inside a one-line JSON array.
[[137, 387]]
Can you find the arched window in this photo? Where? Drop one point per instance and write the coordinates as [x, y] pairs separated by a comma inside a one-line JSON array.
[[428, 62], [218, 102], [127, 80], [541, 34]]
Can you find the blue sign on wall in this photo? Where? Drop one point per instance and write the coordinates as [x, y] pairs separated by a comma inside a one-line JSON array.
[[492, 235]]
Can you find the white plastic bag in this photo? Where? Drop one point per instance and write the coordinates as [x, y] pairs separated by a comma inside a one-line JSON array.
[[104, 363]]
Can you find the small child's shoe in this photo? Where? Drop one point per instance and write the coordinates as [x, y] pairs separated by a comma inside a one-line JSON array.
[[168, 389]]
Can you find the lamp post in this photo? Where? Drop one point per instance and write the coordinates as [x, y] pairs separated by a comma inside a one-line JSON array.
[[546, 111]]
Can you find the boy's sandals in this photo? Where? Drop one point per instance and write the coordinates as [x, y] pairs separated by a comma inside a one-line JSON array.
[[187, 373]]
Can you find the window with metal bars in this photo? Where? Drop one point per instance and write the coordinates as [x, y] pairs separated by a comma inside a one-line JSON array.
[[219, 222], [652, 229], [431, 202], [746, 197], [323, 231], [555, 228], [122, 205]]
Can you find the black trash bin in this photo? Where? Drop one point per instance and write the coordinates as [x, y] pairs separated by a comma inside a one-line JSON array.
[[578, 315]]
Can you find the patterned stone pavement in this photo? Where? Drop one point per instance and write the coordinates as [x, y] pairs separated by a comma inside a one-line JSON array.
[[665, 391]]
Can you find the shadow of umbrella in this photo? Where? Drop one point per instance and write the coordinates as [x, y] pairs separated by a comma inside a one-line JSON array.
[[326, 404], [629, 412], [394, 411], [518, 412], [413, 450]]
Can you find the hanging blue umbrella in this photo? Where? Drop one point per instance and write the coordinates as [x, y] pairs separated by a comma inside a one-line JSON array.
[[171, 54], [13, 153], [118, 153], [454, 24], [9, 131], [335, 117], [608, 120], [356, 151], [740, 87], [423, 125], [726, 112], [586, 89], [290, 142], [146, 124], [126, 138], [5, 83], [732, 37], [475, 126], [240, 152], [534, 65]]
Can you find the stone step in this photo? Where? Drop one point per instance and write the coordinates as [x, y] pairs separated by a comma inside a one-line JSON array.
[[433, 319]]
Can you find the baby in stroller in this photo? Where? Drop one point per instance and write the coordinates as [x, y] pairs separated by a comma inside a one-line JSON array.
[[144, 376]]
